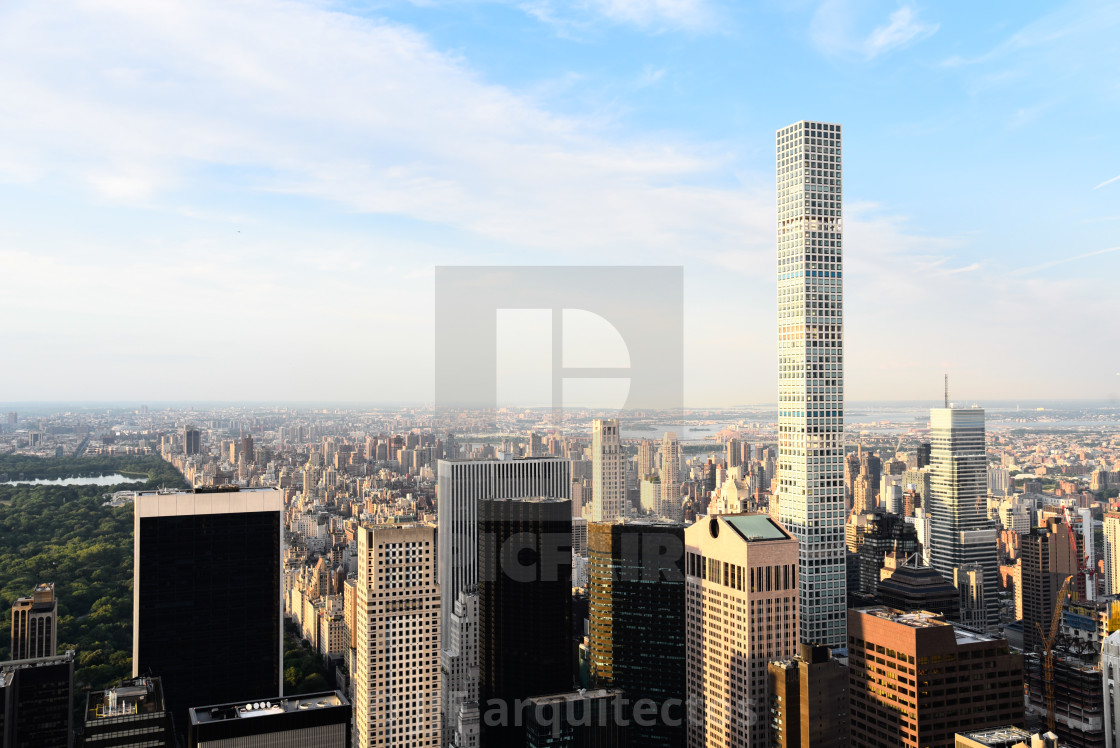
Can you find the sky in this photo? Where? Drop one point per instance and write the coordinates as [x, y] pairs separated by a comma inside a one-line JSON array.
[[240, 200]]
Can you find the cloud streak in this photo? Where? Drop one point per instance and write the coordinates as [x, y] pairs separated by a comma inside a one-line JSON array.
[[1064, 260], [1107, 182], [901, 29], [835, 30]]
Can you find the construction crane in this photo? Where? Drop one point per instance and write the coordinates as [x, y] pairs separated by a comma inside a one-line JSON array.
[[1048, 652]]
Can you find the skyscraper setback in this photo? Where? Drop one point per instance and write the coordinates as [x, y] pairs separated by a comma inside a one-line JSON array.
[[811, 372], [462, 484]]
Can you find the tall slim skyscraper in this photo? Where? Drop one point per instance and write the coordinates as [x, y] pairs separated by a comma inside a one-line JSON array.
[[397, 669], [35, 624], [671, 478], [206, 611], [524, 610], [462, 484], [960, 532], [645, 459], [811, 371], [608, 479]]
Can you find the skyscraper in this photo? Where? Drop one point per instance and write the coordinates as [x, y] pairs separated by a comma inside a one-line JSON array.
[[397, 664], [671, 478], [808, 700], [637, 620], [524, 610], [36, 702], [1048, 555], [608, 480], [459, 663], [1112, 554], [741, 594], [645, 459], [960, 532], [206, 615], [35, 624], [811, 371], [462, 484], [192, 441], [889, 647]]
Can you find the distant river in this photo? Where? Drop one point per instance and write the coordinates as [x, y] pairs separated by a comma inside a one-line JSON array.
[[100, 480]]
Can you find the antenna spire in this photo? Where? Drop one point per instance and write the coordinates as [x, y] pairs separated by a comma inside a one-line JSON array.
[[946, 390]]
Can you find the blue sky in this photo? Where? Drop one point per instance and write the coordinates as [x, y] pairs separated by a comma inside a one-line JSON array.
[[227, 200]]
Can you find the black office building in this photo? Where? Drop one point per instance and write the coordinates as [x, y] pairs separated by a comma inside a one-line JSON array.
[[207, 596], [637, 622], [315, 720], [524, 587], [36, 698], [192, 441]]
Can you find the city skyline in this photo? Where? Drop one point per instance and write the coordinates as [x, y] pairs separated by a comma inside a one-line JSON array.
[[205, 177]]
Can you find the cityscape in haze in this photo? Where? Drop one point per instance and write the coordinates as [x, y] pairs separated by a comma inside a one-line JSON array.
[[613, 374]]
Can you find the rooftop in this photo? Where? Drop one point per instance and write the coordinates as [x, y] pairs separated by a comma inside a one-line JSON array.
[[755, 526], [999, 736], [136, 696], [9, 668], [573, 696], [923, 619], [225, 712]]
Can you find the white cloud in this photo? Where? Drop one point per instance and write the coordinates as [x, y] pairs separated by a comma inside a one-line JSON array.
[[689, 14], [1107, 182], [162, 115], [837, 28], [322, 104], [901, 29]]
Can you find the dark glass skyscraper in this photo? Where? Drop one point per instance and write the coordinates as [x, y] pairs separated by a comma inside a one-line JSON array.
[[192, 441], [36, 702], [207, 601], [524, 590], [637, 621]]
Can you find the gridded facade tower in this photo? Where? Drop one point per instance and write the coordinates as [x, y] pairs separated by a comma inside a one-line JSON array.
[[741, 613], [811, 371], [608, 486], [671, 478], [960, 533], [906, 686], [397, 670]]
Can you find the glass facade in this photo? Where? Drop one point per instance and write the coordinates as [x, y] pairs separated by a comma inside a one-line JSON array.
[[208, 607]]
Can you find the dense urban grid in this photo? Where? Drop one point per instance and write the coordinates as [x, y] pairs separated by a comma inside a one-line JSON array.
[[820, 573]]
